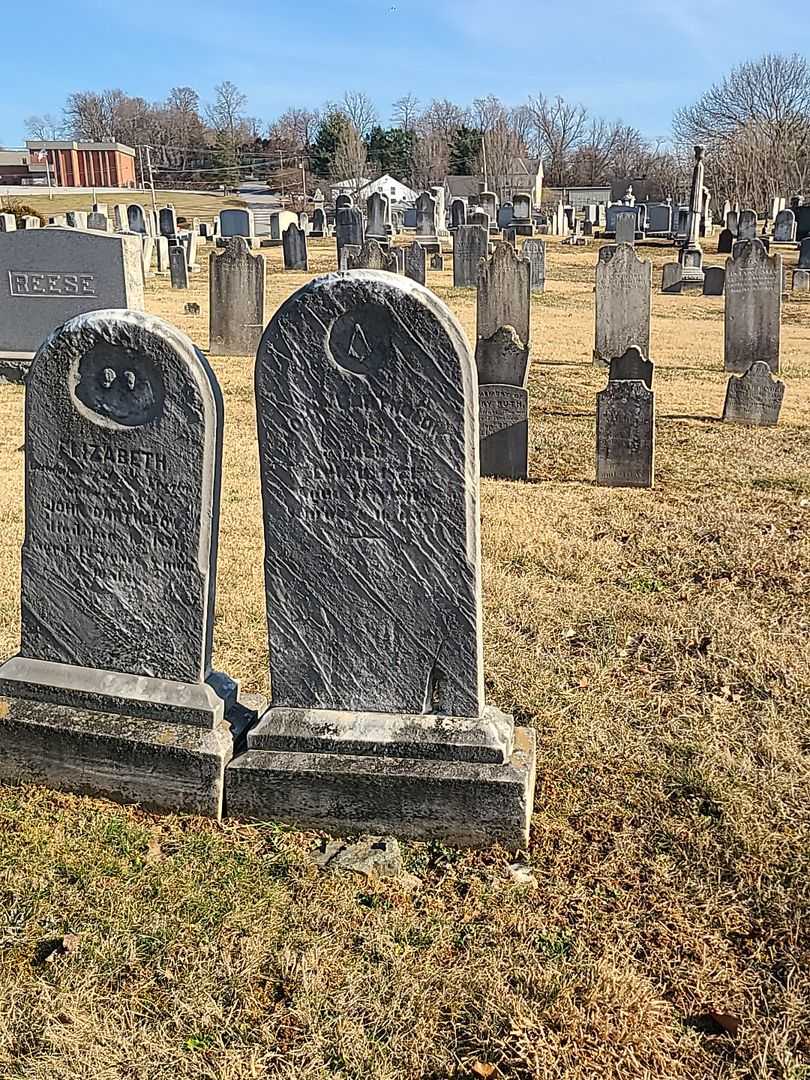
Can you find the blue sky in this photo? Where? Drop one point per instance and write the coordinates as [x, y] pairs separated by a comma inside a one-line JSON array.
[[637, 62]]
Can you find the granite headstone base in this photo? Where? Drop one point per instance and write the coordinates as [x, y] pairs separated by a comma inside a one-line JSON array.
[[468, 782], [160, 765]]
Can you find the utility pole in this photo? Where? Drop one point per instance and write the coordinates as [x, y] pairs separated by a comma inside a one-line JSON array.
[[281, 170], [140, 162], [303, 179], [151, 177], [484, 154]]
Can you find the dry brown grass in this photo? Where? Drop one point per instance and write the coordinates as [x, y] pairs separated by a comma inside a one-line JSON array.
[[186, 203], [657, 640]]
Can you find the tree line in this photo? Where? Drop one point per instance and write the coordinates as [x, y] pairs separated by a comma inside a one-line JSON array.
[[754, 122]]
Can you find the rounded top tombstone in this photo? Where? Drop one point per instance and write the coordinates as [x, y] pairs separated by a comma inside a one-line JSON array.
[[367, 417]]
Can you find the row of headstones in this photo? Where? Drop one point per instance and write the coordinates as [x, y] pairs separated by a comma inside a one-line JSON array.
[[752, 282], [625, 416], [369, 475]]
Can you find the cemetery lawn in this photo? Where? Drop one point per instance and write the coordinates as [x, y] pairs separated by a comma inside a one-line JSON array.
[[188, 204], [658, 643]]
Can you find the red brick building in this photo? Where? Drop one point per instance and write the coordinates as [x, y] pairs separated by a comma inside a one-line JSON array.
[[82, 164]]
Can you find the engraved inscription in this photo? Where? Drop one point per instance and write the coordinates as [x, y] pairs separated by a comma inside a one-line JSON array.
[[45, 284]]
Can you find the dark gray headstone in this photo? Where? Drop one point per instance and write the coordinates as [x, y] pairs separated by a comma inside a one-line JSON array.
[[348, 229], [372, 256], [505, 215], [801, 281], [318, 223], [502, 358], [804, 254], [755, 397], [236, 221], [415, 263], [427, 227], [458, 213], [625, 435], [344, 202], [504, 295], [623, 302], [370, 502], [753, 310], [236, 299], [178, 266], [725, 242], [504, 427], [784, 230], [377, 213], [672, 278], [714, 281], [167, 220], [470, 246], [632, 366], [535, 252], [747, 225], [802, 222], [98, 221], [294, 244]]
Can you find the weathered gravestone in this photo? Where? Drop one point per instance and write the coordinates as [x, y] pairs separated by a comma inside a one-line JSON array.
[[458, 213], [280, 221], [136, 219], [522, 214], [535, 252], [236, 299], [348, 253], [415, 263], [784, 230], [437, 262], [801, 281], [733, 222], [318, 223], [502, 358], [237, 221], [626, 228], [672, 278], [112, 692], [753, 312], [625, 435], [747, 225], [162, 254], [76, 219], [372, 256], [754, 398], [478, 217], [367, 438], [49, 275], [377, 214], [470, 246], [167, 222], [504, 297], [30, 221], [623, 302], [178, 266], [804, 254], [503, 417], [294, 244], [426, 223], [348, 230], [98, 221], [505, 216], [632, 365], [714, 281], [344, 202], [725, 242], [488, 203]]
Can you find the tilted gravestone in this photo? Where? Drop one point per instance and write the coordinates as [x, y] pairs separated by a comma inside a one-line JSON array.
[[632, 365], [753, 311], [725, 242], [47, 276], [415, 263], [236, 299], [754, 398], [714, 281], [372, 256], [623, 302], [625, 435], [178, 266], [367, 443], [470, 246], [747, 225], [348, 230], [504, 296], [294, 244], [112, 692], [535, 252]]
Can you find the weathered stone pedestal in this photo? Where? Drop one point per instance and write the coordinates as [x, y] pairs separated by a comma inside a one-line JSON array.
[[465, 781]]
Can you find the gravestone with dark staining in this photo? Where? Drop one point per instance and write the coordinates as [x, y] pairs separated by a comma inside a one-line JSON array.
[[470, 246], [505, 216], [372, 256], [167, 222], [488, 202], [753, 310], [377, 217], [503, 417], [344, 202], [120, 217], [236, 299], [714, 281], [365, 392], [623, 302], [632, 365], [136, 219], [478, 217], [754, 398], [294, 244], [178, 266], [535, 252], [437, 262], [504, 297], [502, 358], [415, 263], [784, 230], [112, 692], [458, 213], [725, 242], [625, 435], [318, 223], [804, 254], [348, 230], [48, 276], [747, 225]]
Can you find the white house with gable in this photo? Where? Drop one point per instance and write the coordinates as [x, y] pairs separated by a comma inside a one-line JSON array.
[[398, 194]]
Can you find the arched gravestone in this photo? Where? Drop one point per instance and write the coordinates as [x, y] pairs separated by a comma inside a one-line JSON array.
[[365, 394], [294, 243], [470, 246], [123, 433], [753, 309], [236, 299], [623, 302]]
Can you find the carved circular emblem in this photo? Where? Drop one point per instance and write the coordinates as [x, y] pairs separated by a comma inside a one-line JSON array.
[[360, 340], [115, 386]]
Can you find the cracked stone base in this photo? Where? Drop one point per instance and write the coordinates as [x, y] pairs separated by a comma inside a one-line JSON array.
[[162, 766], [464, 802]]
